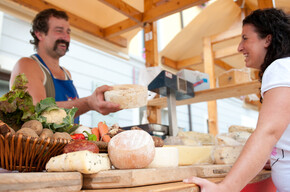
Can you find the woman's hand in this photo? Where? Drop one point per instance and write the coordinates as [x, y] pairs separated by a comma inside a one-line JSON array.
[[205, 185]]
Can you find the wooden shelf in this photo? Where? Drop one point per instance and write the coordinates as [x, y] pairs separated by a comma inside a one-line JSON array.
[[213, 94]]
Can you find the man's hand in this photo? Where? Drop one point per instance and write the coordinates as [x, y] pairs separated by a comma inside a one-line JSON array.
[[97, 101]]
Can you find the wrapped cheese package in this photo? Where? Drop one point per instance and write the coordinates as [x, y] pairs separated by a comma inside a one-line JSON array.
[[128, 95], [131, 149]]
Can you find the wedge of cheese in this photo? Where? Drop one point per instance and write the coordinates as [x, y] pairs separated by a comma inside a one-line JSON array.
[[82, 161], [189, 155]]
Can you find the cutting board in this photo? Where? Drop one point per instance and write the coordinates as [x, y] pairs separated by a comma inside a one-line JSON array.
[[136, 177], [59, 181], [177, 186], [139, 177], [213, 170]]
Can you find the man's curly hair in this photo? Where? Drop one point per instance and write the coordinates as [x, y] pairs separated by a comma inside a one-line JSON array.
[[276, 23], [40, 23]]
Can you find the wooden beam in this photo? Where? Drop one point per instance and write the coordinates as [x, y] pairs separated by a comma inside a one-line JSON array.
[[121, 27], [125, 9], [168, 8], [152, 14], [226, 52], [208, 58], [169, 62], [151, 52], [75, 20], [236, 90], [196, 60], [223, 64], [262, 4]]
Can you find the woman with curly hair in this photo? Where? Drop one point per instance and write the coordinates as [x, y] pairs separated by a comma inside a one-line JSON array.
[[266, 46]]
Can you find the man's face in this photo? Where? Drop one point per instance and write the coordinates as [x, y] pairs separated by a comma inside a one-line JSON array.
[[57, 38]]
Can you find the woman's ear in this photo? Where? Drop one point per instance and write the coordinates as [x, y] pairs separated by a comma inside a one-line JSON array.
[[268, 40]]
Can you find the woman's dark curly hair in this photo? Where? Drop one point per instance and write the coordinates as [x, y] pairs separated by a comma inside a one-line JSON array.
[[40, 23], [276, 23]]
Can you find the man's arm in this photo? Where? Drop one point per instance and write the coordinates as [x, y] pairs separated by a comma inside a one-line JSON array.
[[34, 76], [93, 102]]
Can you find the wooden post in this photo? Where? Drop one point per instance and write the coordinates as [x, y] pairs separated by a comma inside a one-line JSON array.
[[151, 52], [209, 69]]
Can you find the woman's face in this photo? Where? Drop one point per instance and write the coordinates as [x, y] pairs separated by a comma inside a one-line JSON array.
[[253, 47]]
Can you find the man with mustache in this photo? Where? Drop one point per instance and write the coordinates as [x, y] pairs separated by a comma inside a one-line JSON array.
[[46, 78]]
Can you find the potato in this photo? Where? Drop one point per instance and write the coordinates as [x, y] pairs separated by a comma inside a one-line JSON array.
[[46, 133], [34, 125], [4, 129], [27, 132], [61, 135]]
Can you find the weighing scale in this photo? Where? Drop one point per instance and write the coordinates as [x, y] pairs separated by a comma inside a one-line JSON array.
[[174, 88]]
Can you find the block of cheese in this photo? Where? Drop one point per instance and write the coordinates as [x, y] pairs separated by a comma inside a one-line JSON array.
[[165, 157], [227, 154], [131, 149], [128, 96], [189, 155], [85, 162], [196, 138]]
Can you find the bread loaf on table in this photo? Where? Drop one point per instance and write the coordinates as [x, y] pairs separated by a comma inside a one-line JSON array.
[[85, 162], [131, 149], [128, 95]]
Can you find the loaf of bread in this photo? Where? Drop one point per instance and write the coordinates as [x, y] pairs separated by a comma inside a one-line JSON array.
[[128, 95]]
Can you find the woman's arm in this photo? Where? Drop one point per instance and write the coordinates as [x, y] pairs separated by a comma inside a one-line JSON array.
[[273, 119]]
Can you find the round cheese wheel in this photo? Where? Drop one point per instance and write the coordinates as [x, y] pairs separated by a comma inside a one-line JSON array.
[[131, 149], [165, 157], [128, 96]]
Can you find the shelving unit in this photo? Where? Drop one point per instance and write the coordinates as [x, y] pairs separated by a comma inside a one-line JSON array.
[[212, 94]]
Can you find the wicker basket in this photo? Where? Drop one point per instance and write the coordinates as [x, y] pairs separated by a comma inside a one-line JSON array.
[[26, 154]]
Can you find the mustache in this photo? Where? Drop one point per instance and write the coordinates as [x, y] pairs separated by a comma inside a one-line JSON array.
[[60, 41]]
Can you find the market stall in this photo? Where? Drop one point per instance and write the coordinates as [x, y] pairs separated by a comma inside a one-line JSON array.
[[114, 24]]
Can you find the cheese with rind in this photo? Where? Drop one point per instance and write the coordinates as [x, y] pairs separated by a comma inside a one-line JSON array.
[[189, 155], [82, 161], [165, 157], [131, 149], [227, 154]]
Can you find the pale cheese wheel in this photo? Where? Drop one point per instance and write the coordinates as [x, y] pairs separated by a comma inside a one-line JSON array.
[[131, 149], [128, 95], [165, 157]]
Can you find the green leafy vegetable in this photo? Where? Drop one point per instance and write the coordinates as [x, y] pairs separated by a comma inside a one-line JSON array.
[[16, 106], [55, 118]]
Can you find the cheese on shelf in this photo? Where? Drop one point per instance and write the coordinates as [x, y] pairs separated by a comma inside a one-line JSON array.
[[82, 161], [165, 157], [189, 155]]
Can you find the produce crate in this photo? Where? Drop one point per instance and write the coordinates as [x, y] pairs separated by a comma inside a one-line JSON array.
[[27, 154], [234, 76]]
